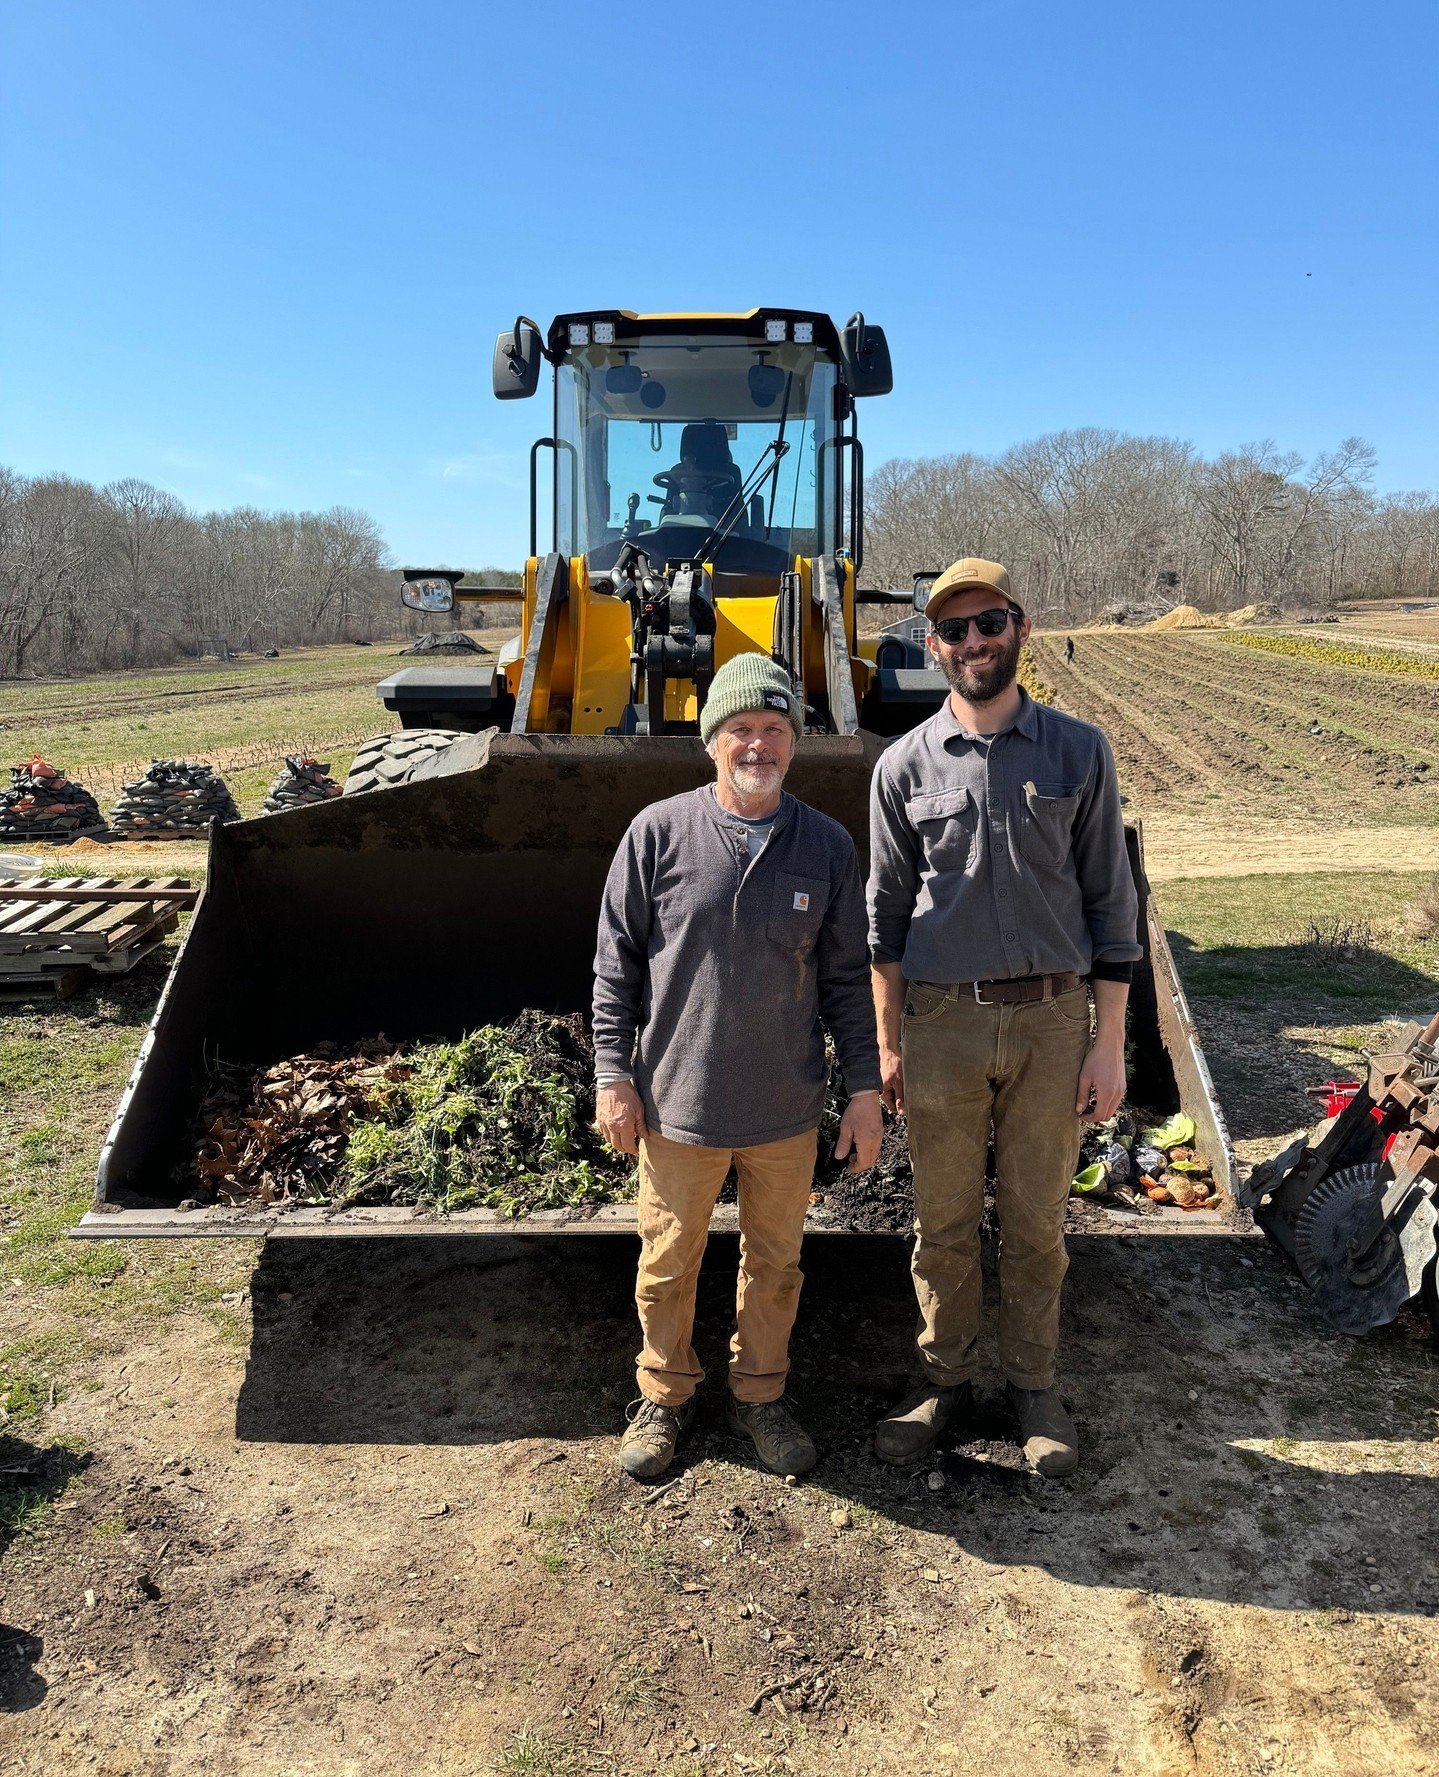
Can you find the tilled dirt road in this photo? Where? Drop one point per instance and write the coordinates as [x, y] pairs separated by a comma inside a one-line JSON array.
[[386, 1534]]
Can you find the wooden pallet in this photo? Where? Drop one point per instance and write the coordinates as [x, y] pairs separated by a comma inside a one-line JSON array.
[[60, 983], [52, 934], [89, 913]]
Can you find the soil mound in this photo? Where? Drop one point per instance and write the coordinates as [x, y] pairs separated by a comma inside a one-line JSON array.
[[1187, 617], [448, 641]]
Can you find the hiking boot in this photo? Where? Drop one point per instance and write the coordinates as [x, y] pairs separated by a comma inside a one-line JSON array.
[[911, 1430], [1051, 1444], [648, 1446], [784, 1446]]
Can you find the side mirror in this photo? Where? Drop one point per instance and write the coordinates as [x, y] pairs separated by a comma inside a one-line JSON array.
[[516, 370], [423, 590], [923, 586], [866, 358]]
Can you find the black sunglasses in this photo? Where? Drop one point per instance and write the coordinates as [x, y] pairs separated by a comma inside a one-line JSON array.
[[953, 630]]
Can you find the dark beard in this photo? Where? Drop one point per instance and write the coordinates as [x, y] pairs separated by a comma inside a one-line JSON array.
[[982, 684]]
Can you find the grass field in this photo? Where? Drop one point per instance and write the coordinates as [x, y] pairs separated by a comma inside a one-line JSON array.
[[242, 717]]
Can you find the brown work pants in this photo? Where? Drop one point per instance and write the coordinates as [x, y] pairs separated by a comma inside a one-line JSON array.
[[1011, 1070], [679, 1187]]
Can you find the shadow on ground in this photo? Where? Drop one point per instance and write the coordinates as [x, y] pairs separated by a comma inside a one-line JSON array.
[[1180, 1351], [32, 1477]]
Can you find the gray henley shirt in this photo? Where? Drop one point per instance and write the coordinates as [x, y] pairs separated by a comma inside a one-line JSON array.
[[997, 856], [716, 972]]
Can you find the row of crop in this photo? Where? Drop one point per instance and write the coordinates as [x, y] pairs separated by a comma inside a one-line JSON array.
[[1369, 660]]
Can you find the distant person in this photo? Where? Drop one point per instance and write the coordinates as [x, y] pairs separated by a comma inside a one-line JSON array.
[[1069, 650], [732, 934], [1000, 897]]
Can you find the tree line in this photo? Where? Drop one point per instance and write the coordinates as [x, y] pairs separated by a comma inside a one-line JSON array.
[[1094, 522], [127, 575], [1090, 522]]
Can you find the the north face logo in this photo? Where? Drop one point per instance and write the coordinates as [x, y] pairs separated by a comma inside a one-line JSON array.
[[774, 701]]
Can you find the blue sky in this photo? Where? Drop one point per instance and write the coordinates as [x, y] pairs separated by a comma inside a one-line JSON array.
[[258, 254]]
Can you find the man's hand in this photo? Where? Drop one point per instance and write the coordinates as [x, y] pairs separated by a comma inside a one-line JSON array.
[[891, 1073], [861, 1130], [887, 983], [621, 1116], [1101, 1082]]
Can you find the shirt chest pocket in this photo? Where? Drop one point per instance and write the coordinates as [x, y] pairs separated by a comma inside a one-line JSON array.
[[944, 821], [797, 909], [1046, 833]]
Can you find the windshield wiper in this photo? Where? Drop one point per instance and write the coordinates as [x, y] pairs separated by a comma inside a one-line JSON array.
[[732, 513]]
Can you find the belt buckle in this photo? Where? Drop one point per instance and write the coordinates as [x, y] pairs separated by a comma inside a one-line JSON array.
[[979, 998]]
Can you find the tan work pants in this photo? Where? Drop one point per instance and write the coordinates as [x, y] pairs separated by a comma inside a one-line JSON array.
[[679, 1187], [1012, 1069]]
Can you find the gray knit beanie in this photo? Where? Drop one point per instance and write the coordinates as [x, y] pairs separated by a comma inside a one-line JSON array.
[[749, 682]]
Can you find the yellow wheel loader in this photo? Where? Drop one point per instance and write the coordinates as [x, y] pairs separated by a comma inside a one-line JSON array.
[[701, 487]]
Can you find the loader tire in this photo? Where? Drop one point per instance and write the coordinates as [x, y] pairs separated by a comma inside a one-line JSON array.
[[390, 759]]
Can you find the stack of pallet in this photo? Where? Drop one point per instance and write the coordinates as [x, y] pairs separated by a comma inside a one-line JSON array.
[[42, 803], [54, 934], [176, 798], [303, 781]]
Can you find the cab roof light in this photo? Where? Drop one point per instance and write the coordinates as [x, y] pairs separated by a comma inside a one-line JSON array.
[[579, 333], [804, 333], [775, 331], [604, 333]]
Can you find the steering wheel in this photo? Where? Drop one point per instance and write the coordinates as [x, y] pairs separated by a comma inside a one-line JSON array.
[[692, 481]]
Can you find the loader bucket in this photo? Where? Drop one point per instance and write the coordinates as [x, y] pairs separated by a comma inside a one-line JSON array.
[[456, 899]]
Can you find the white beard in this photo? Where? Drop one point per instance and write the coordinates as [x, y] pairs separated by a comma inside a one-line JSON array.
[[757, 780]]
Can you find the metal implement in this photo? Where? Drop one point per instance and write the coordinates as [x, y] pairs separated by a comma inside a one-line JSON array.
[[1353, 1204]]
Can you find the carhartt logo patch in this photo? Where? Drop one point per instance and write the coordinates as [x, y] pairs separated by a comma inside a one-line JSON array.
[[801, 903]]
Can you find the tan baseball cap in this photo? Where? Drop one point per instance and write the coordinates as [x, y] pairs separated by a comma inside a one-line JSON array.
[[972, 574]]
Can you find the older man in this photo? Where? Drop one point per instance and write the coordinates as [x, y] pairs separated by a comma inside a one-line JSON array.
[[732, 932], [1001, 897]]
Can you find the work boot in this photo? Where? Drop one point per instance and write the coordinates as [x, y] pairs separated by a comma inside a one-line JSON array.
[[648, 1446], [911, 1430], [784, 1446], [1051, 1444]]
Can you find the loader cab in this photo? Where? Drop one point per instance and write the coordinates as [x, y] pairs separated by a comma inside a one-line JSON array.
[[663, 436], [666, 427]]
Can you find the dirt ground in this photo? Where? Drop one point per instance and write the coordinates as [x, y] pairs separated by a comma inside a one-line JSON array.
[[384, 1531], [359, 1514], [1176, 844]]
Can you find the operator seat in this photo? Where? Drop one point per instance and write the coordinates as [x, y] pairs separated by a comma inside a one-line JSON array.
[[704, 446]]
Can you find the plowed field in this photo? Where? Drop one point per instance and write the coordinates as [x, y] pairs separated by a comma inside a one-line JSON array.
[[1223, 732]]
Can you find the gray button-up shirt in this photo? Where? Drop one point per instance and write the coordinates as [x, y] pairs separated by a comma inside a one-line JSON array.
[[717, 973], [995, 856]]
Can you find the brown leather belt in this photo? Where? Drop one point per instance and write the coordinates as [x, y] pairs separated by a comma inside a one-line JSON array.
[[1020, 990]]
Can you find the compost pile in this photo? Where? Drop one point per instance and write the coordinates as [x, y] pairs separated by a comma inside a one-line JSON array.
[[880, 1201], [42, 803], [1133, 1159], [503, 1119], [446, 641], [302, 782], [175, 797]]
